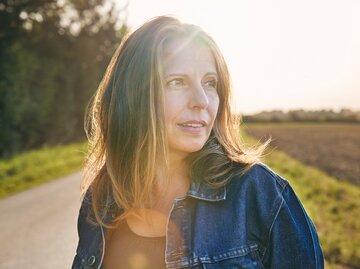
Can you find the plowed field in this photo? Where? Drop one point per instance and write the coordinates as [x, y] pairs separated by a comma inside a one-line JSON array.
[[333, 148]]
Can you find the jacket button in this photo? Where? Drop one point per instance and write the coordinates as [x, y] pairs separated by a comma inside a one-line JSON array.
[[91, 260]]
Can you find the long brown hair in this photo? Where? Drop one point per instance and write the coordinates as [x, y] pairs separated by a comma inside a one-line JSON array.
[[125, 127]]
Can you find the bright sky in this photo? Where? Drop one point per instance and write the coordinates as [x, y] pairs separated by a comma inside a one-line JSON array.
[[282, 54]]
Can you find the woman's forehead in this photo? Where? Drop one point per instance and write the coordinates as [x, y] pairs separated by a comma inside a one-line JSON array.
[[174, 44], [181, 53]]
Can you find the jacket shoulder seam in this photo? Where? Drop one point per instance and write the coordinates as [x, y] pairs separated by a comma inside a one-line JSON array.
[[275, 212]]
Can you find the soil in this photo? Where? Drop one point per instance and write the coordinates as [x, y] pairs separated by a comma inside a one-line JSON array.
[[333, 148]]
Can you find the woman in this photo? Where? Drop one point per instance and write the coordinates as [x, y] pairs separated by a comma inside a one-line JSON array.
[[167, 183]]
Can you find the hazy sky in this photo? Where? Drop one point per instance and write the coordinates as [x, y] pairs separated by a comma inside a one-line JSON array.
[[282, 54]]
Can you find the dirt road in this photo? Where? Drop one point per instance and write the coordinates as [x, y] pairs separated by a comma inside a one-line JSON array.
[[38, 226]]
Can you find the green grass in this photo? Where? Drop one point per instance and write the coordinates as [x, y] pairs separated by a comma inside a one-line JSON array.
[[38, 166], [333, 205]]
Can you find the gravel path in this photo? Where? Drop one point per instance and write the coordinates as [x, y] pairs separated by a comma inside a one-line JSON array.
[[38, 226]]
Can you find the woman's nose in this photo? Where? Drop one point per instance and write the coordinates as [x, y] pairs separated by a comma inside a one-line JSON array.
[[199, 99]]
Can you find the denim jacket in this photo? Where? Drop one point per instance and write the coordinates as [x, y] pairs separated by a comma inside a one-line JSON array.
[[255, 221]]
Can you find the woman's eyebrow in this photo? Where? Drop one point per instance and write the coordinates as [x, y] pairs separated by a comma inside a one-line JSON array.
[[176, 75], [211, 73], [185, 75]]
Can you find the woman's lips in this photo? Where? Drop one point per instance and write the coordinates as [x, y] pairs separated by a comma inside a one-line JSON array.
[[193, 126]]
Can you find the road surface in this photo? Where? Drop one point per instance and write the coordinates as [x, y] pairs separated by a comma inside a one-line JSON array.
[[38, 226]]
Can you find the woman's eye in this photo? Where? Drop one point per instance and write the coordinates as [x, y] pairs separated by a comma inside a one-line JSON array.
[[176, 82], [212, 83]]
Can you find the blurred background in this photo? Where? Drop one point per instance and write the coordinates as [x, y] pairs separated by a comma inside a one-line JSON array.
[[295, 67]]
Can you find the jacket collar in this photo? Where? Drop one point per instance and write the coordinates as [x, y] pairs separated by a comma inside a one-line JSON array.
[[198, 190], [202, 191]]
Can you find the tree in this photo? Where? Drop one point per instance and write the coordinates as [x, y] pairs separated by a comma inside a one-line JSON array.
[[53, 57]]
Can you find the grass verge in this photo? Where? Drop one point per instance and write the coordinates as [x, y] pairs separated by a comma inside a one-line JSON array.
[[333, 205], [38, 166]]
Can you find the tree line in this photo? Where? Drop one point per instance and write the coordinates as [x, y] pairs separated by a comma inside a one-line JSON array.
[[52, 57], [300, 115]]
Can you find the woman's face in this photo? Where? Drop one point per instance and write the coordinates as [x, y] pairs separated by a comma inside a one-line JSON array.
[[191, 98]]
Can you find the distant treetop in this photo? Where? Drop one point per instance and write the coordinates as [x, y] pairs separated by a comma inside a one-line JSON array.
[[300, 115]]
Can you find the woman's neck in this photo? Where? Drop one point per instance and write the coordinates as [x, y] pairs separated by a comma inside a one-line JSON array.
[[172, 182]]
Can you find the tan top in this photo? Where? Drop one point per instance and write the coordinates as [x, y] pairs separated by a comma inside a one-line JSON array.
[[126, 250]]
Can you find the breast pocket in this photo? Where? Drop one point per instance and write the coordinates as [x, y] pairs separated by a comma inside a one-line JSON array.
[[236, 259]]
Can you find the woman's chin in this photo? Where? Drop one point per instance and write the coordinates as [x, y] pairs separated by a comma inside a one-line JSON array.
[[187, 149]]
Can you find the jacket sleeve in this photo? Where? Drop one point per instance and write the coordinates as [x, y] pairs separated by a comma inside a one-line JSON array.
[[83, 211], [292, 241]]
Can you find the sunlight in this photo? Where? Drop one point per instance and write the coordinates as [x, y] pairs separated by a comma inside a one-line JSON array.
[[292, 54]]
